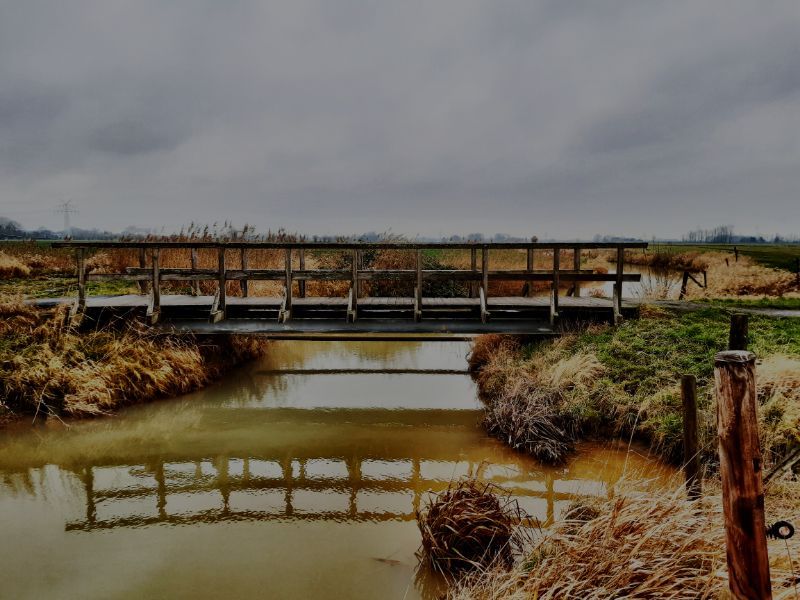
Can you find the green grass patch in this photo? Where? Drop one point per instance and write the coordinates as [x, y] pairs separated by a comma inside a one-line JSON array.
[[779, 256]]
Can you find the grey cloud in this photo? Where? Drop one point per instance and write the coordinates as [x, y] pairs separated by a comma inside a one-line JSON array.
[[573, 118]]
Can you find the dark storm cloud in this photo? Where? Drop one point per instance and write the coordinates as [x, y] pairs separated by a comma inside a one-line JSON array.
[[566, 118]]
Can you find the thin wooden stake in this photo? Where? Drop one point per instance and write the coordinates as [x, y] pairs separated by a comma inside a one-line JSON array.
[[418, 289], [741, 471], [554, 287], [576, 266], [737, 338], [473, 261], [691, 456], [529, 268], [154, 310]]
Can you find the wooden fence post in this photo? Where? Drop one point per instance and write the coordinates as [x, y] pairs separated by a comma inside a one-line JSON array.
[[741, 471], [691, 456], [617, 302], [737, 338], [576, 266]]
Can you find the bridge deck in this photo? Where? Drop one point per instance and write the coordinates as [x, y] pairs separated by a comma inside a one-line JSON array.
[[381, 317]]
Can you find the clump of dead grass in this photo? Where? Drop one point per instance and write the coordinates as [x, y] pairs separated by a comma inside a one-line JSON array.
[[11, 267], [468, 526], [534, 404]]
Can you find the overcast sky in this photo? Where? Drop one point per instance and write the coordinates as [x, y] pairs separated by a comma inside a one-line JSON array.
[[558, 118]]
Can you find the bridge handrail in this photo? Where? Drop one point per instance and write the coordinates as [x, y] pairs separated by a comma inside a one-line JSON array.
[[478, 278]]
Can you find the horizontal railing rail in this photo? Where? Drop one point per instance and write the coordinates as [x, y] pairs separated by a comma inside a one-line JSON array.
[[478, 275]]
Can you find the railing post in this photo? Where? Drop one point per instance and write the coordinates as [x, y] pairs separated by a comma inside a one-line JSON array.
[[154, 310], [196, 282], [142, 265], [243, 284], [617, 302], [354, 280], [302, 283], [737, 337], [485, 270], [473, 261], [80, 256], [554, 286], [220, 300], [288, 265], [691, 456], [741, 471], [529, 269], [576, 266], [418, 289]]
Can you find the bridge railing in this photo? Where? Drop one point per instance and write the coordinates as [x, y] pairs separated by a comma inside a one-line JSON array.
[[479, 275]]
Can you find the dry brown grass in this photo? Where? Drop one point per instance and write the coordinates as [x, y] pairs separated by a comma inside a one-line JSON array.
[[11, 267], [48, 369], [470, 525], [631, 546]]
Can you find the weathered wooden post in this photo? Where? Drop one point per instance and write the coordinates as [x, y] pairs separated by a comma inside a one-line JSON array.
[[529, 269], [418, 289], [354, 286], [196, 282], [80, 256], [554, 286], [220, 300], [302, 283], [741, 471], [142, 265], [691, 456], [245, 288], [576, 266], [617, 302], [737, 338], [287, 301], [154, 309], [473, 261]]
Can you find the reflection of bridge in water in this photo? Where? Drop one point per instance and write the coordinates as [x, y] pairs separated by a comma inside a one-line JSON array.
[[308, 488]]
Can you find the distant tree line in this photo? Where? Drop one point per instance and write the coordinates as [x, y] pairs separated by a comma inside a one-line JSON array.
[[724, 234]]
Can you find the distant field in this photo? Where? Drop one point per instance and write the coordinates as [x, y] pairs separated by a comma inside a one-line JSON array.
[[781, 256]]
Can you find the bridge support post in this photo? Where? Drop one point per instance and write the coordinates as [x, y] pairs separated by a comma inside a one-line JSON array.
[[418, 289], [576, 266], [528, 287], [154, 309], [243, 284], [195, 283], [554, 286], [218, 308], [617, 300], [286, 310], [473, 261], [302, 283], [691, 456], [142, 265]]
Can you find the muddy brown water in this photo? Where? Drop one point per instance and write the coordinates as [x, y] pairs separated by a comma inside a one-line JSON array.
[[297, 476]]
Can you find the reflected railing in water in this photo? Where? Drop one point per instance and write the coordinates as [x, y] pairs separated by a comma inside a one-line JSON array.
[[311, 489]]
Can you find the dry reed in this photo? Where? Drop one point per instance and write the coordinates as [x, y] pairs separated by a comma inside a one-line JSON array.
[[11, 267], [631, 546], [470, 525], [48, 369]]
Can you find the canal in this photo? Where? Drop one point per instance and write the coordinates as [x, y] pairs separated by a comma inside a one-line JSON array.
[[297, 476]]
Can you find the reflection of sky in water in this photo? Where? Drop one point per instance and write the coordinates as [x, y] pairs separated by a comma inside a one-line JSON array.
[[233, 490]]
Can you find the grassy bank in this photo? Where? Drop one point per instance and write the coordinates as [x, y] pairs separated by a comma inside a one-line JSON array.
[[624, 381], [49, 370], [606, 382]]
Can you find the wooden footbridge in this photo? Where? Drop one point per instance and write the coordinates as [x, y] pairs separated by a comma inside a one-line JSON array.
[[460, 304]]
